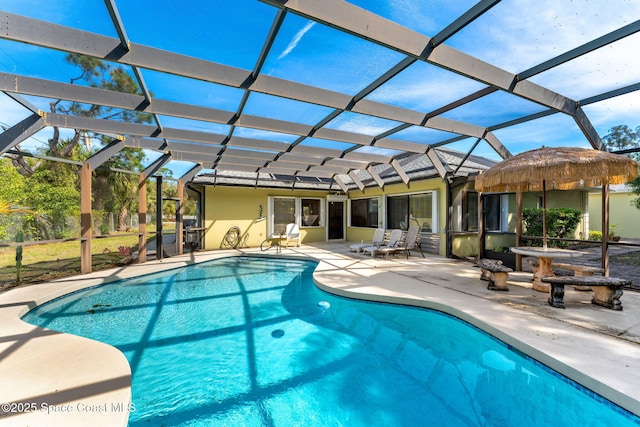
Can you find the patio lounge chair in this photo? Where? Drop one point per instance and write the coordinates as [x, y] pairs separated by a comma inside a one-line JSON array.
[[292, 233], [378, 239], [409, 243], [394, 242]]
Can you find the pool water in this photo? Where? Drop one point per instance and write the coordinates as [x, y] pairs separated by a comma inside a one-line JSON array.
[[252, 341]]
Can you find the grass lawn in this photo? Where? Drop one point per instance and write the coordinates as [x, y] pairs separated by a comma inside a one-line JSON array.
[[42, 263]]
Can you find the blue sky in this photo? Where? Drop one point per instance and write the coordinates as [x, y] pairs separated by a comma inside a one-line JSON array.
[[514, 35]]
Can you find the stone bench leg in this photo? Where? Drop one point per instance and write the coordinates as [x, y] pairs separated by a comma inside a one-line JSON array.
[[498, 281], [556, 295], [607, 296]]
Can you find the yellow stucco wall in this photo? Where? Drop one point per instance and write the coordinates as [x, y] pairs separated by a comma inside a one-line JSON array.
[[621, 213], [464, 244], [234, 206]]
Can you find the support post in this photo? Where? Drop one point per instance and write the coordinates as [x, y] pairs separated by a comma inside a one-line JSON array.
[[605, 227], [142, 217], [159, 217], [85, 218], [179, 216], [480, 226], [449, 236], [518, 228]]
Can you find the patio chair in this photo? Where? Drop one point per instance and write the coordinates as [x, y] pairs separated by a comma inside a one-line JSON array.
[[394, 242], [410, 242], [292, 234], [378, 239]]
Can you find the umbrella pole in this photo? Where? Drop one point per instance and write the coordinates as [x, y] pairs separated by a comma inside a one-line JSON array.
[[544, 215]]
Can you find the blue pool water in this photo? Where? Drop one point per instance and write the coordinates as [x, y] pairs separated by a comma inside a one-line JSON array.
[[252, 342]]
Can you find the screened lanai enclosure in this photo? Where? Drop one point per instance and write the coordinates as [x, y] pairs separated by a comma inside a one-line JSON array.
[[330, 95]]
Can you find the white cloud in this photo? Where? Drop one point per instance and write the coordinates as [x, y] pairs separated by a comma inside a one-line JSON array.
[[296, 39], [519, 35], [622, 110], [360, 123], [12, 112]]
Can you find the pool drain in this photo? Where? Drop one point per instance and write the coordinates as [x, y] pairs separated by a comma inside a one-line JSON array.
[[278, 333]]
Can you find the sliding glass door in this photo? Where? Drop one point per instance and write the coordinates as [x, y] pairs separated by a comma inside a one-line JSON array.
[[411, 209]]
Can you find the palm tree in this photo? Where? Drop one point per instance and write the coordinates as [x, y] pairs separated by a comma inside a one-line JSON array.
[[6, 208]]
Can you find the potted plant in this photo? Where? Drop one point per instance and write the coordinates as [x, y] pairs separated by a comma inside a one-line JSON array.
[[612, 233]]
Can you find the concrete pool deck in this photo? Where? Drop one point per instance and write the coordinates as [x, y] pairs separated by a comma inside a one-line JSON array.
[[57, 379]]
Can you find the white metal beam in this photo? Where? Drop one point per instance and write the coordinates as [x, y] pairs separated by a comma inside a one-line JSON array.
[[401, 173]]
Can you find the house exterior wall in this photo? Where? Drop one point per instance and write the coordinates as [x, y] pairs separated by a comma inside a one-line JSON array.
[[225, 207], [464, 244], [622, 214], [356, 234]]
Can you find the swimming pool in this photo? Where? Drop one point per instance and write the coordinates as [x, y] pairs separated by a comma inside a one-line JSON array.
[[252, 341]]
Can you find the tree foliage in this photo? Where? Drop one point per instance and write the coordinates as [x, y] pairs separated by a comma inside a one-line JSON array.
[[561, 223], [11, 183], [53, 187], [11, 200], [622, 137], [53, 195]]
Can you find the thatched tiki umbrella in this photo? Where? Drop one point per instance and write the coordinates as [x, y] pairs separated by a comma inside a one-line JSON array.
[[563, 168]]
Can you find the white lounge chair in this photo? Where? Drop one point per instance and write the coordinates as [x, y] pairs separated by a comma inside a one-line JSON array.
[[394, 242], [292, 234], [409, 242], [378, 239]]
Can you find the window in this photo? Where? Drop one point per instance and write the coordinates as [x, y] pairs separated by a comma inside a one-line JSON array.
[[306, 212], [492, 212], [311, 209], [364, 212], [464, 207], [413, 209], [496, 212], [284, 212], [470, 211]]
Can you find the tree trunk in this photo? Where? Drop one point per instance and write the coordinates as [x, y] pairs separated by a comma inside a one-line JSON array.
[[122, 218]]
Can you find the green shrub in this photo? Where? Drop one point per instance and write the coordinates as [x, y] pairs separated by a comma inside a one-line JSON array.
[[595, 235], [561, 223]]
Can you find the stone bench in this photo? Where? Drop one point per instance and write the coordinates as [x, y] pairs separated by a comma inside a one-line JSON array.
[[495, 273], [580, 271], [606, 290]]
